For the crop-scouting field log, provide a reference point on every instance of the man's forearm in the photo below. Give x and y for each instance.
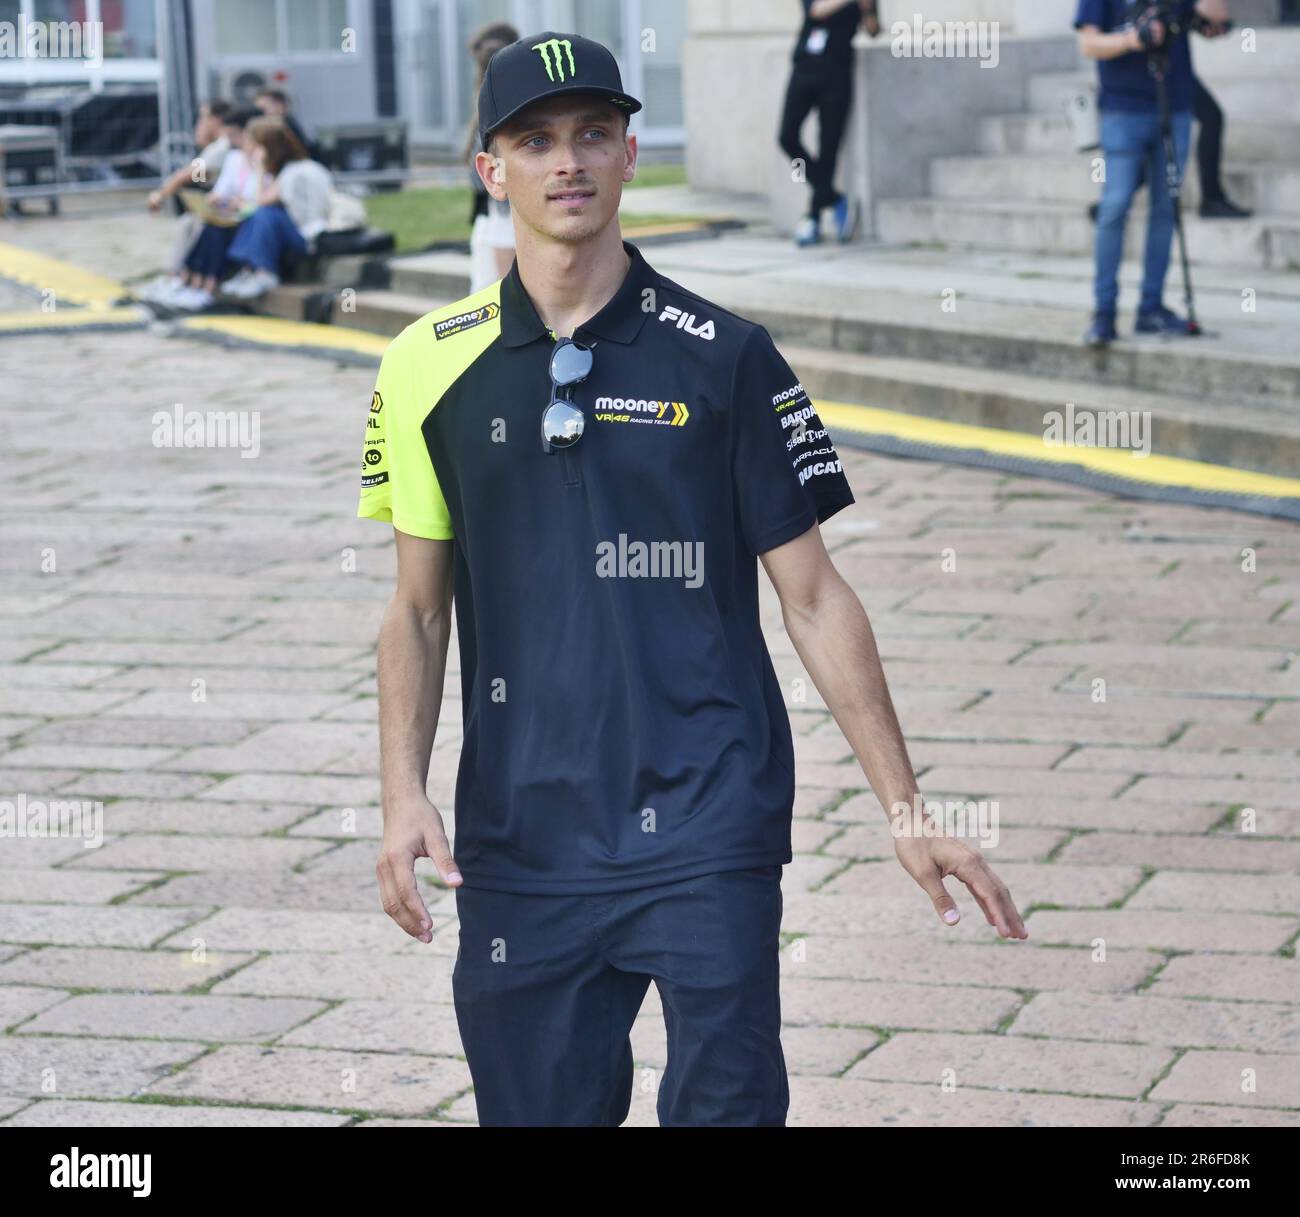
(835, 642)
(1096, 45)
(412, 664)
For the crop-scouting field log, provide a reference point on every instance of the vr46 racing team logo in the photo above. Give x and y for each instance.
(465, 321)
(639, 410)
(551, 49)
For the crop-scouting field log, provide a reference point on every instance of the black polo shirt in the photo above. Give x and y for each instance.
(623, 725)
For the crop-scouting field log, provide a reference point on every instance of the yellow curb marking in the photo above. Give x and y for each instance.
(69, 284)
(1113, 462)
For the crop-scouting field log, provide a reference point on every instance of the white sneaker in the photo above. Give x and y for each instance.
(159, 288)
(234, 286)
(172, 292)
(807, 232)
(258, 283)
(192, 299)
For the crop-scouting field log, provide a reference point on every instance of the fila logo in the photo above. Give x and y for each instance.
(552, 48)
(686, 321)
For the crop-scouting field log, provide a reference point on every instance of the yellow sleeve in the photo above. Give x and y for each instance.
(398, 482)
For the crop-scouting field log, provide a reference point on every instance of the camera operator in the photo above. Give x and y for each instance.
(1122, 35)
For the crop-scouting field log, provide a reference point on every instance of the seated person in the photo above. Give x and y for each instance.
(293, 210)
(274, 103)
(235, 191)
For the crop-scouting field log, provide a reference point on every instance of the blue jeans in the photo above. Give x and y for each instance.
(261, 240)
(546, 989)
(1130, 140)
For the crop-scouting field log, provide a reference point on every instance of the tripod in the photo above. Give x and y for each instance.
(1158, 65)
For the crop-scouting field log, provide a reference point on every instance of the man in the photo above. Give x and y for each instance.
(626, 782)
(822, 80)
(1122, 36)
(274, 103)
(210, 146)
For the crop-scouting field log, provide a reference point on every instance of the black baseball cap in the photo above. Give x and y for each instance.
(547, 65)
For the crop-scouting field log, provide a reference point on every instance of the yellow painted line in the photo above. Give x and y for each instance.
(68, 319)
(275, 331)
(1154, 470)
(659, 230)
(69, 284)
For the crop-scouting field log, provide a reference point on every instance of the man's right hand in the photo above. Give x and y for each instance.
(1147, 35)
(412, 829)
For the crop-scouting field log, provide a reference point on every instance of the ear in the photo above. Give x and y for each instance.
(629, 170)
(492, 173)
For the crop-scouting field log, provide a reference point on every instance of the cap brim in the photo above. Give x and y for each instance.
(624, 101)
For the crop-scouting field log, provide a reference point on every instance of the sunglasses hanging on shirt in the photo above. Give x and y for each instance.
(562, 421)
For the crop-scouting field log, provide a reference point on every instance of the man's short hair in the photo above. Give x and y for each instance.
(274, 94)
(218, 108)
(491, 148)
(241, 116)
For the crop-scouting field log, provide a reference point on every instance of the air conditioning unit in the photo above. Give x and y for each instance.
(238, 85)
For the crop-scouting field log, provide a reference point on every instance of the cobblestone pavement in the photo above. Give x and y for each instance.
(188, 636)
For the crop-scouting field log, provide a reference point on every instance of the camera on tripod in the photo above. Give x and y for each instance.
(1149, 15)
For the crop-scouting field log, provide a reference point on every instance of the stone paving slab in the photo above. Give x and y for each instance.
(380, 1082)
(107, 969)
(234, 901)
(69, 1114)
(173, 1016)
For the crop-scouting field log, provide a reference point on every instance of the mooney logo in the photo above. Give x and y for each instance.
(550, 49)
(670, 413)
(686, 321)
(465, 321)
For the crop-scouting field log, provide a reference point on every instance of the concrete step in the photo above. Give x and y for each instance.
(1258, 98)
(1007, 327)
(1272, 188)
(1245, 140)
(439, 274)
(1260, 439)
(1268, 241)
(388, 312)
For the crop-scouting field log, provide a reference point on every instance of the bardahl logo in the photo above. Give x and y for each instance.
(551, 50)
(376, 402)
(626, 410)
(465, 321)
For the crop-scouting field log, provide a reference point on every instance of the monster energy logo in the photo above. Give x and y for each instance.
(553, 48)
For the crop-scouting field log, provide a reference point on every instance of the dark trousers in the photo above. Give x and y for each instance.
(828, 89)
(546, 989)
(207, 255)
(1209, 144)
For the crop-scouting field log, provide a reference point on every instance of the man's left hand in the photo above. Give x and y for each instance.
(930, 860)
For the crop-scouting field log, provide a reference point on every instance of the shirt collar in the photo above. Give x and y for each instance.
(619, 321)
